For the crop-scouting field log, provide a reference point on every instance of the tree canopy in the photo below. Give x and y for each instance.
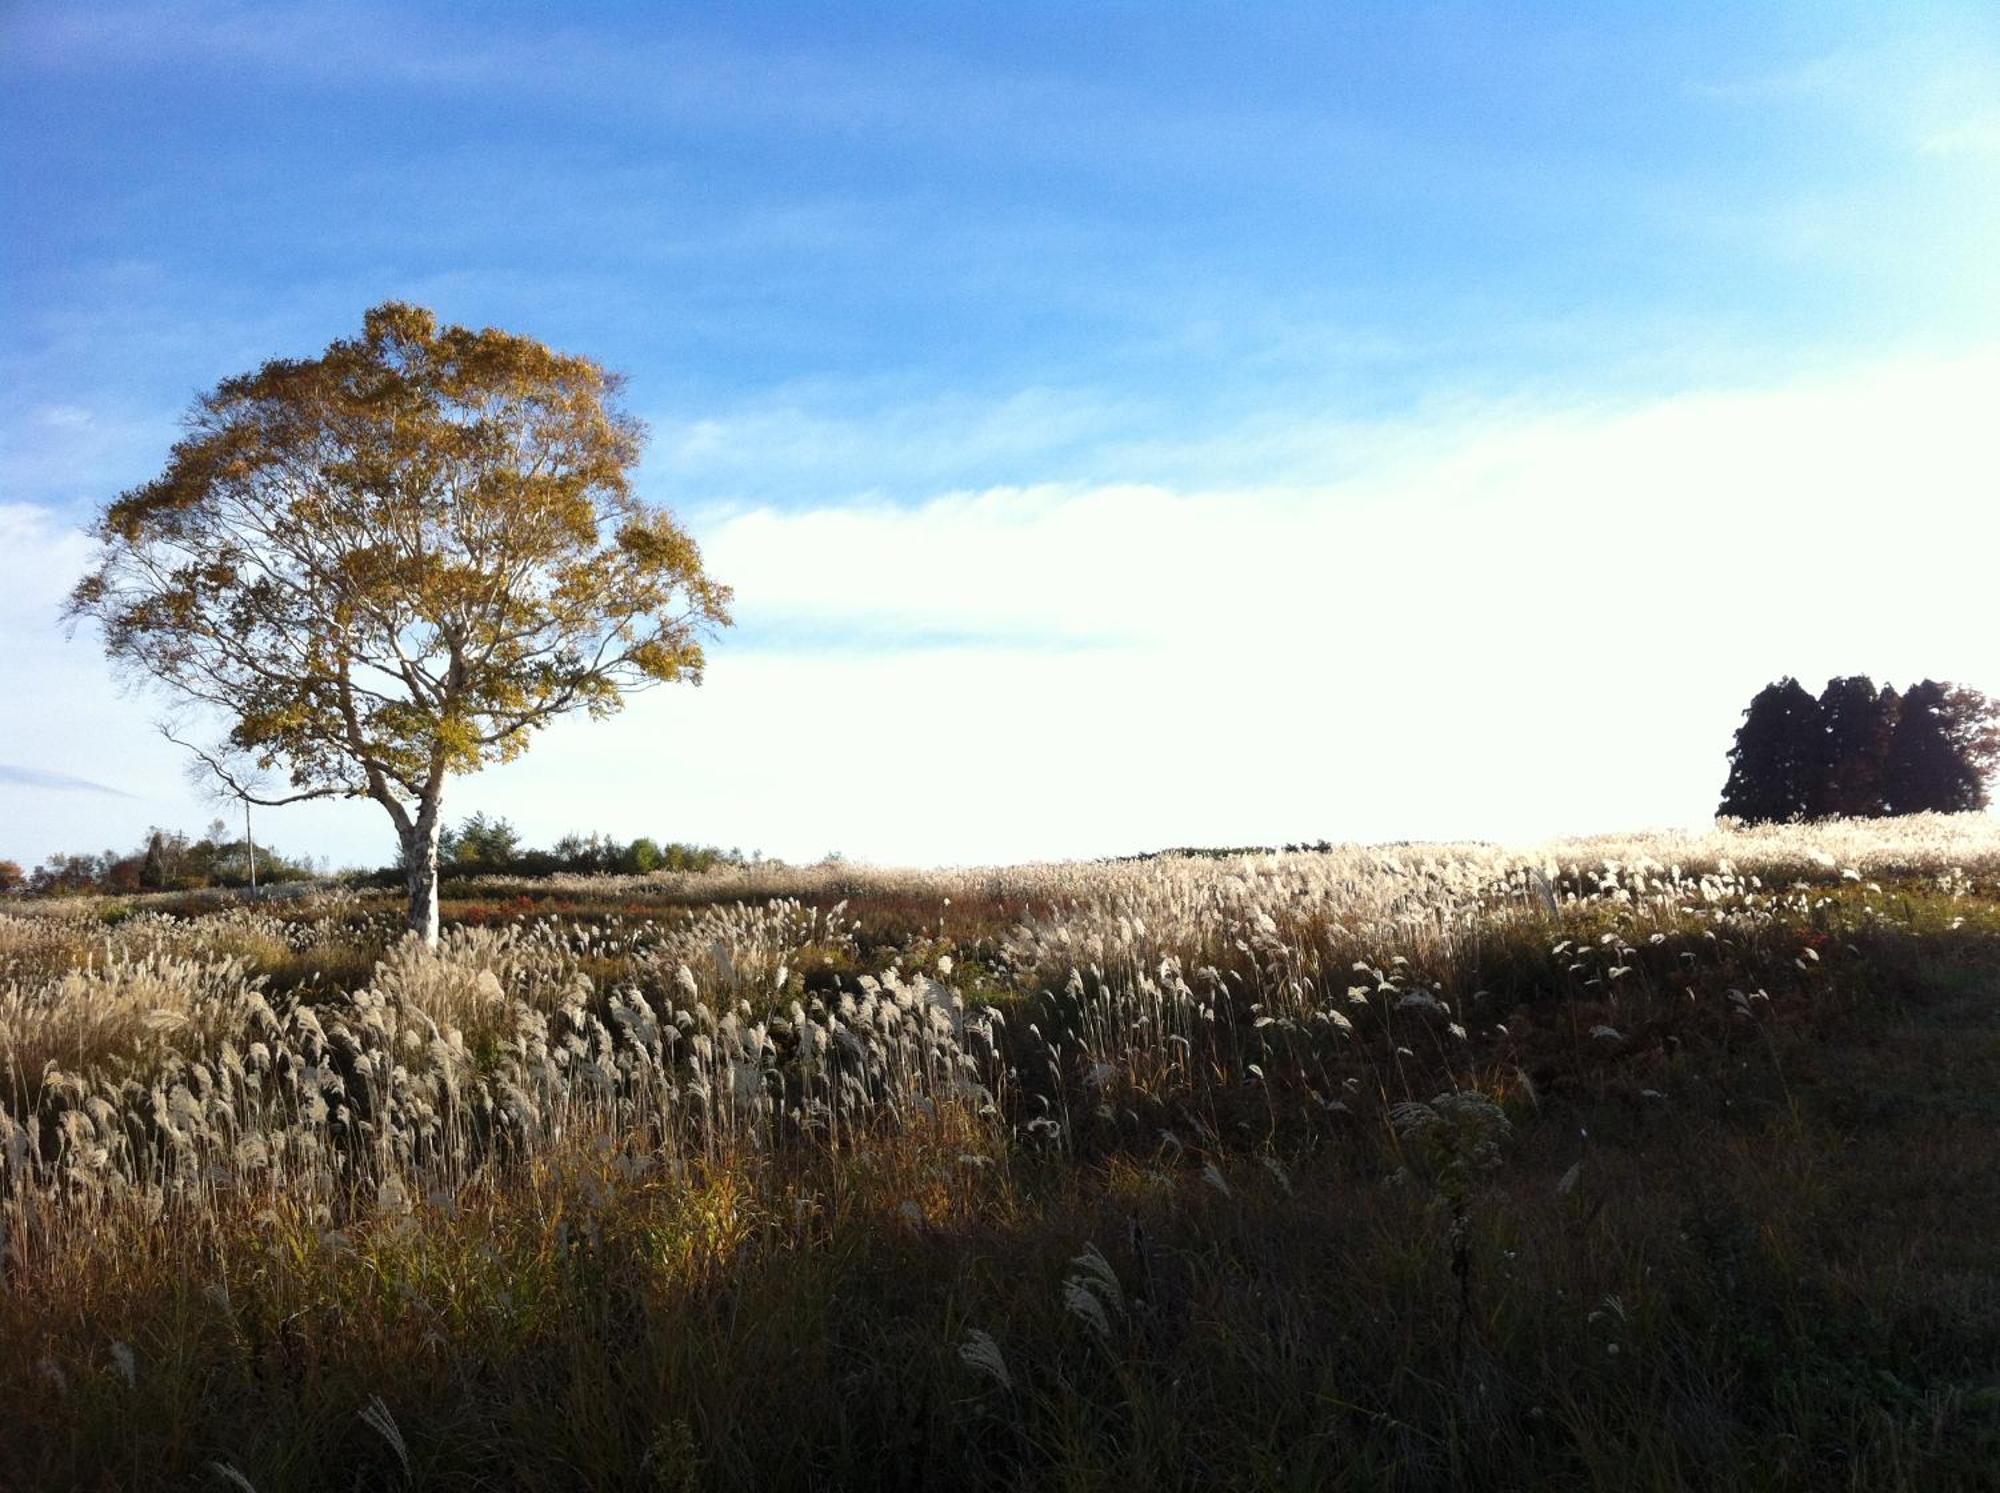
(395, 562)
(1933, 764)
(1777, 769)
(1858, 720)
(1859, 752)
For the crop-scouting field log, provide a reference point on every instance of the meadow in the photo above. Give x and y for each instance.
(1635, 1162)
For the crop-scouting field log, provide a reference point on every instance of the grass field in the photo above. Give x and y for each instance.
(1656, 1162)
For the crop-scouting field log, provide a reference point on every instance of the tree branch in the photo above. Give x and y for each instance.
(229, 779)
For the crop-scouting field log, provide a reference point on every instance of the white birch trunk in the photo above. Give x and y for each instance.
(420, 862)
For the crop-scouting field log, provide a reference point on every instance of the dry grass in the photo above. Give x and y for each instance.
(1442, 1167)
(123, 1017)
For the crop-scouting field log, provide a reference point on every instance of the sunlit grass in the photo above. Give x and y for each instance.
(1641, 1160)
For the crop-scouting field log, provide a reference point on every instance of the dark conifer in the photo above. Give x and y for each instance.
(1928, 770)
(1777, 768)
(153, 874)
(1858, 722)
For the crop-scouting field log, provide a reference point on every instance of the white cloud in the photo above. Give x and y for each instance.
(41, 558)
(61, 416)
(1669, 503)
(914, 446)
(1548, 623)
(1979, 135)
(1513, 624)
(57, 454)
(61, 714)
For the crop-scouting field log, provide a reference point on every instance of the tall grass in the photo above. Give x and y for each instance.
(1073, 1158)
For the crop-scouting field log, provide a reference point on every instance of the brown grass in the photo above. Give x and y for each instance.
(1744, 1241)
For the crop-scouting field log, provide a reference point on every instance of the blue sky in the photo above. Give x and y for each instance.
(1099, 289)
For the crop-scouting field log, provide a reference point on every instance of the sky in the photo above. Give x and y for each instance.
(1124, 425)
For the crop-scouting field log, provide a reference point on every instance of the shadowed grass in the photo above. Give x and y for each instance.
(1734, 1232)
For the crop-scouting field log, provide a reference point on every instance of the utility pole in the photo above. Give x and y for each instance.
(250, 844)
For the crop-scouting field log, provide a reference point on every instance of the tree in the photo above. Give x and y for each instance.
(153, 873)
(395, 562)
(1777, 768)
(1858, 721)
(591, 853)
(12, 879)
(486, 843)
(62, 874)
(1972, 721)
(1939, 756)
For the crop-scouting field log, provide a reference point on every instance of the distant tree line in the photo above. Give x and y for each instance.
(1859, 752)
(484, 846)
(1227, 852)
(479, 846)
(167, 861)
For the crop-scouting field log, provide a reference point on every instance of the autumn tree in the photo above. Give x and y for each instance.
(62, 874)
(1777, 767)
(1972, 721)
(393, 563)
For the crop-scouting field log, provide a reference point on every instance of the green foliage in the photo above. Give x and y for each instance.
(167, 861)
(485, 844)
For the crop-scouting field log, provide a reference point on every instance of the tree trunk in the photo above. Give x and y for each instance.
(420, 865)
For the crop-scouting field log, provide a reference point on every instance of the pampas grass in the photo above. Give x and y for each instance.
(891, 1103)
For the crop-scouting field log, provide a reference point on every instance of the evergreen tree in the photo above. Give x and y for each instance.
(487, 843)
(1777, 768)
(153, 872)
(1888, 710)
(1930, 767)
(1858, 722)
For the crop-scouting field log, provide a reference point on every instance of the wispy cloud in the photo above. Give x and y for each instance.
(924, 94)
(675, 69)
(1932, 89)
(860, 631)
(1975, 135)
(831, 445)
(34, 777)
(41, 556)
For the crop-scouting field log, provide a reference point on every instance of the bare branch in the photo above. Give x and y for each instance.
(236, 787)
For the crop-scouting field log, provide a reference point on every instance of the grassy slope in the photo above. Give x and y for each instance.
(1780, 1274)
